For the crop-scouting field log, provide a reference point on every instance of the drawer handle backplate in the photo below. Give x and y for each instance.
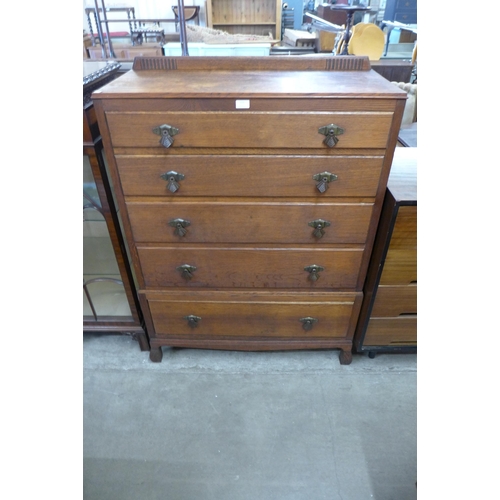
(166, 133)
(324, 178)
(186, 271)
(173, 179)
(314, 271)
(308, 323)
(331, 132)
(192, 320)
(180, 226)
(319, 225)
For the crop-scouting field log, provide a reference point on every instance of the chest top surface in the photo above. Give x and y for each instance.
(403, 176)
(254, 77)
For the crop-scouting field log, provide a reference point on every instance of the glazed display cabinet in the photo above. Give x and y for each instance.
(110, 303)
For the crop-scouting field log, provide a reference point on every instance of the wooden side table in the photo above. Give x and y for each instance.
(190, 12)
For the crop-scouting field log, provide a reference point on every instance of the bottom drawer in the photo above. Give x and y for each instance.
(251, 315)
(391, 331)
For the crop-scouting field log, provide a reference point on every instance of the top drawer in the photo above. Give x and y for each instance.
(250, 129)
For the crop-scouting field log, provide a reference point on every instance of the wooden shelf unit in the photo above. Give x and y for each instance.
(258, 17)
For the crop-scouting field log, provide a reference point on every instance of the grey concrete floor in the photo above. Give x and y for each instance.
(226, 425)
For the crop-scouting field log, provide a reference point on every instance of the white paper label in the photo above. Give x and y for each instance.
(242, 103)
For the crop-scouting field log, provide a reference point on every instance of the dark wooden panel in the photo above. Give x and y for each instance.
(393, 70)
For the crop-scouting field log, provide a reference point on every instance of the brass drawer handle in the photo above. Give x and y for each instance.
(308, 323)
(313, 271)
(180, 226)
(186, 271)
(324, 179)
(319, 225)
(173, 179)
(192, 320)
(331, 132)
(166, 133)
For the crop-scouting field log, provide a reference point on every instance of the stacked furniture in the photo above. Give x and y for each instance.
(388, 319)
(250, 192)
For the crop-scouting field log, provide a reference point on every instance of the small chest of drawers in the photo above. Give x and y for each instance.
(250, 191)
(388, 318)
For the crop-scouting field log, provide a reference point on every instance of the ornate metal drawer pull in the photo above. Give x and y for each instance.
(331, 132)
(180, 225)
(308, 323)
(173, 179)
(166, 133)
(318, 226)
(324, 179)
(313, 271)
(186, 271)
(192, 320)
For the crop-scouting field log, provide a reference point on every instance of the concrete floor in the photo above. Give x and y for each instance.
(224, 425)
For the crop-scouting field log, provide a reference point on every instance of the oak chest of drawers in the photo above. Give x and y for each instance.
(250, 190)
(388, 318)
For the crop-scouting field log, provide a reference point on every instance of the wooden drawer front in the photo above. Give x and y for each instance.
(400, 268)
(391, 331)
(404, 234)
(249, 129)
(250, 267)
(266, 318)
(393, 301)
(225, 222)
(233, 175)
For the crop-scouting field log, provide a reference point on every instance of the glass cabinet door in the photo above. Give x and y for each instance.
(104, 296)
(110, 300)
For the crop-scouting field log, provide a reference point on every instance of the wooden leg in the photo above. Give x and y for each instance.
(156, 354)
(345, 357)
(142, 339)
